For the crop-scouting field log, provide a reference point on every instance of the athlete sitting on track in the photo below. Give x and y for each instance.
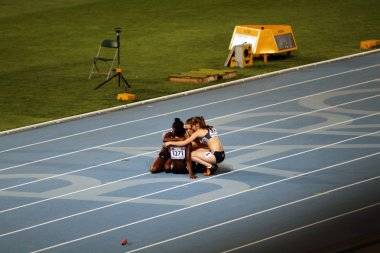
(206, 134)
(172, 158)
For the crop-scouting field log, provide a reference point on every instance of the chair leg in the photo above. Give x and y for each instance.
(92, 71)
(109, 72)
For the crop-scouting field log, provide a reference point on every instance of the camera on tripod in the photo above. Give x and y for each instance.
(118, 70)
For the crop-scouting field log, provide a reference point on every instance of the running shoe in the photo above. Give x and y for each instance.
(210, 171)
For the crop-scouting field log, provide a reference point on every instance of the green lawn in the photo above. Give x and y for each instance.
(47, 46)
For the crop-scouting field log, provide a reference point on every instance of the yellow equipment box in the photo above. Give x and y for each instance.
(265, 39)
(126, 96)
(369, 44)
(240, 56)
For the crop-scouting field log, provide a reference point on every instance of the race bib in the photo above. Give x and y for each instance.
(178, 152)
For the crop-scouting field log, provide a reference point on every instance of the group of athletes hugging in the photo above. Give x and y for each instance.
(189, 146)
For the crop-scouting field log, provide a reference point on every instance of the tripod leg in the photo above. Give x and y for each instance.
(118, 79)
(106, 81)
(125, 81)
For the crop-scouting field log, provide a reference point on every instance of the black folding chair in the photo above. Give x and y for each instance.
(105, 58)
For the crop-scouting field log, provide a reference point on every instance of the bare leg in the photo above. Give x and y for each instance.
(168, 165)
(157, 165)
(206, 158)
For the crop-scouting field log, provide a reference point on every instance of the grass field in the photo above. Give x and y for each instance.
(47, 46)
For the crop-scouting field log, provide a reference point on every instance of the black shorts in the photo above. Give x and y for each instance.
(178, 166)
(219, 156)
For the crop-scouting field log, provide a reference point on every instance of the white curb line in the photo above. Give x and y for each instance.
(185, 93)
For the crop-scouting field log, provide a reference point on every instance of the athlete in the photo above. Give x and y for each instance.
(161, 163)
(209, 157)
(189, 131)
(172, 158)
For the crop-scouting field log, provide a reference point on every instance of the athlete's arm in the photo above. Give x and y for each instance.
(184, 142)
(189, 164)
(166, 139)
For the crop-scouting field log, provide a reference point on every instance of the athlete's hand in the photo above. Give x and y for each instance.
(192, 176)
(167, 143)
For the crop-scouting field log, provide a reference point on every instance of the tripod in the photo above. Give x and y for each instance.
(118, 70)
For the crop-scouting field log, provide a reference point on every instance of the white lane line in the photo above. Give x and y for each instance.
(241, 129)
(74, 192)
(152, 133)
(194, 182)
(79, 170)
(266, 211)
(127, 178)
(109, 183)
(78, 151)
(189, 92)
(190, 108)
(207, 202)
(305, 226)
